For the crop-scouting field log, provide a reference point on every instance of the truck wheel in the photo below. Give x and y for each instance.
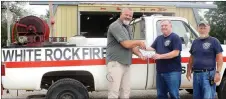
(67, 89)
(222, 89)
(190, 91)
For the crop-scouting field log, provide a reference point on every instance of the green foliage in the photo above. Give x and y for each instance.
(16, 8)
(46, 16)
(217, 20)
(201, 17)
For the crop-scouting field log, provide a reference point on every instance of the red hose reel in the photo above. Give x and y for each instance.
(33, 28)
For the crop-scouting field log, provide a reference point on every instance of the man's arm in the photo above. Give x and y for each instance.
(171, 54)
(176, 46)
(149, 49)
(123, 39)
(219, 60)
(189, 68)
(132, 43)
(136, 51)
(219, 57)
(190, 64)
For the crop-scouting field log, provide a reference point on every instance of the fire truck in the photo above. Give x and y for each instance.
(72, 69)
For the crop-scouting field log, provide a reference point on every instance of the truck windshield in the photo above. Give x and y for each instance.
(180, 28)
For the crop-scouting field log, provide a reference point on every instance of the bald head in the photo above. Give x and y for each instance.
(126, 15)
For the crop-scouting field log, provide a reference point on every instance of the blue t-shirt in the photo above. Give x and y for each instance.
(204, 52)
(164, 45)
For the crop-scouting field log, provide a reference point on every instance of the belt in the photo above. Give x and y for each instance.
(202, 70)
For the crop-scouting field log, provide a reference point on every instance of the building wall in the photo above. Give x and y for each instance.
(188, 14)
(66, 17)
(65, 21)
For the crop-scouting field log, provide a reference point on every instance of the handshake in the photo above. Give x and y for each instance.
(146, 52)
(142, 45)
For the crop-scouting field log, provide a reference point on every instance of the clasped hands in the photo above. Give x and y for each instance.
(144, 57)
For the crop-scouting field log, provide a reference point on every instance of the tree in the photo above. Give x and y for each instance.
(16, 8)
(46, 16)
(201, 17)
(217, 20)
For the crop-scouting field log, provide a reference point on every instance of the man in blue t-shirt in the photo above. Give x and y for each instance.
(168, 61)
(205, 51)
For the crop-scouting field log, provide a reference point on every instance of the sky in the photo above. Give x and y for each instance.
(37, 9)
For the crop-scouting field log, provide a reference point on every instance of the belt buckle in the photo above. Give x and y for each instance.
(206, 70)
(202, 70)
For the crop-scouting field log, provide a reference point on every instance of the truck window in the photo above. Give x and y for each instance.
(179, 27)
(138, 30)
(95, 24)
(191, 31)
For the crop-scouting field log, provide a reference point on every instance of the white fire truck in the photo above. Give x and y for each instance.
(76, 67)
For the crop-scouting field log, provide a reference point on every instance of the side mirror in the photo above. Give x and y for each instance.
(187, 39)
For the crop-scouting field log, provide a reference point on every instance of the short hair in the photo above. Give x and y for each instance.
(166, 20)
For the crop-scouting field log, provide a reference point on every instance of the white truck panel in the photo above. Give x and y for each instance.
(30, 78)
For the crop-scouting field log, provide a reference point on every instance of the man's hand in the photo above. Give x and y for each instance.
(189, 68)
(143, 57)
(217, 77)
(188, 76)
(150, 49)
(157, 56)
(142, 45)
(138, 53)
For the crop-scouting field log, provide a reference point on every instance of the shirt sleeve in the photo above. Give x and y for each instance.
(191, 49)
(217, 46)
(118, 33)
(177, 43)
(154, 43)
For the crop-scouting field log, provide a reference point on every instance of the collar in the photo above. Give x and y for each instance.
(204, 39)
(120, 21)
(168, 35)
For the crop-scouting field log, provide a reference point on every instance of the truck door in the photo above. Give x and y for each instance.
(138, 67)
(181, 28)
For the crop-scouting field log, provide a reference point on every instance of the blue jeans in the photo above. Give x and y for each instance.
(201, 85)
(168, 82)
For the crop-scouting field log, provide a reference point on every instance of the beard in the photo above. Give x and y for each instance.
(203, 36)
(126, 22)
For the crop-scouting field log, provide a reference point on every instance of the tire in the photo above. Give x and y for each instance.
(190, 91)
(67, 89)
(222, 89)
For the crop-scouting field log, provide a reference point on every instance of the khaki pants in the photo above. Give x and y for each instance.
(119, 80)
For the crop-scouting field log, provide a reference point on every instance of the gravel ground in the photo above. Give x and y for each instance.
(136, 94)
